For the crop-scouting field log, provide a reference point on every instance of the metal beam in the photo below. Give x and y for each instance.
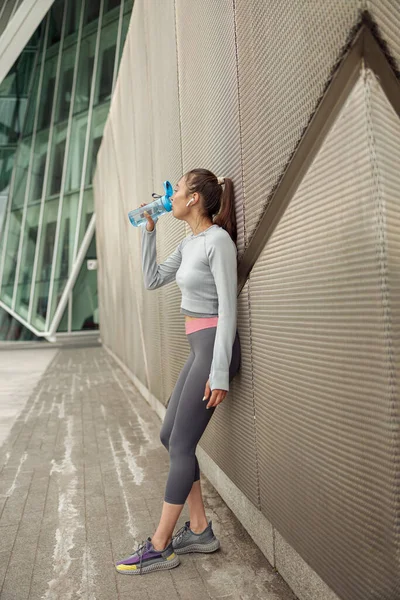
(19, 30)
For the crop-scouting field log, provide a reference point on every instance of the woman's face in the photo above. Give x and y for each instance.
(179, 199)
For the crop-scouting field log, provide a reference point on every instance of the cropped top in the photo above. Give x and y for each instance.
(205, 269)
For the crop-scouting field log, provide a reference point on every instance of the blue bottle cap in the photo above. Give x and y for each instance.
(168, 193)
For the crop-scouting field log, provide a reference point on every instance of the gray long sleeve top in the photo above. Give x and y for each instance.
(205, 269)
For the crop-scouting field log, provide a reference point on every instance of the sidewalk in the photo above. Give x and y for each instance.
(82, 478)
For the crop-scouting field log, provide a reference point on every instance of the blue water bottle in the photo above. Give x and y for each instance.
(159, 206)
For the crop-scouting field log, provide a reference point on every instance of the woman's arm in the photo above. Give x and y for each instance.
(155, 275)
(222, 255)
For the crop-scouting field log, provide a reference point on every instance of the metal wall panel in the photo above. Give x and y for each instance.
(209, 93)
(230, 437)
(308, 429)
(167, 164)
(286, 52)
(387, 16)
(211, 139)
(325, 419)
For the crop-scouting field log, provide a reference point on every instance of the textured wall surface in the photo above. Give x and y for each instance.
(309, 429)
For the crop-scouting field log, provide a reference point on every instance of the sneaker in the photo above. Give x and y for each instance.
(146, 559)
(186, 540)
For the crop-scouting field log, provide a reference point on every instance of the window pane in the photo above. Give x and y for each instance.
(73, 16)
(21, 173)
(57, 159)
(125, 25)
(63, 326)
(106, 62)
(84, 296)
(99, 118)
(27, 258)
(85, 74)
(39, 166)
(92, 10)
(42, 282)
(110, 4)
(11, 257)
(57, 167)
(47, 93)
(65, 248)
(87, 211)
(56, 19)
(32, 104)
(65, 84)
(76, 153)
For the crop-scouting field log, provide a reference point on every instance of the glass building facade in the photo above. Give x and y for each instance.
(47, 231)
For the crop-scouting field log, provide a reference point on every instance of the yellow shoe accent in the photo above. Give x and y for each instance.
(171, 556)
(126, 568)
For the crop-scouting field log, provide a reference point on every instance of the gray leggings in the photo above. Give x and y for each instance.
(187, 417)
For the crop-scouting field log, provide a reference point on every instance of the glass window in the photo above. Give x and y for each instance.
(39, 166)
(64, 96)
(7, 158)
(99, 118)
(57, 167)
(73, 16)
(63, 326)
(27, 258)
(106, 62)
(45, 259)
(87, 211)
(76, 153)
(85, 74)
(65, 249)
(21, 173)
(110, 4)
(84, 295)
(10, 264)
(106, 73)
(125, 26)
(64, 100)
(47, 93)
(92, 10)
(56, 20)
(32, 104)
(57, 159)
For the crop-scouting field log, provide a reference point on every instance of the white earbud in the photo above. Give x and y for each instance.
(191, 200)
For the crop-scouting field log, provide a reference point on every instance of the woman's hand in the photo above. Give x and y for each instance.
(216, 396)
(150, 223)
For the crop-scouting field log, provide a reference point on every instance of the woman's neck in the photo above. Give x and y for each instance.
(199, 227)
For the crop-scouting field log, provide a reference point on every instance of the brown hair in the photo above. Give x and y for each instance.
(217, 199)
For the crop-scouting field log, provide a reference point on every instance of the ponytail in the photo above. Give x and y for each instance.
(226, 217)
(217, 198)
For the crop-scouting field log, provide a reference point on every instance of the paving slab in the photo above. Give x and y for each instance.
(20, 372)
(82, 480)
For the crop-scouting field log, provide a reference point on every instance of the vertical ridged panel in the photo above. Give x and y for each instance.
(209, 93)
(140, 106)
(385, 133)
(208, 89)
(286, 51)
(230, 437)
(167, 164)
(386, 13)
(326, 428)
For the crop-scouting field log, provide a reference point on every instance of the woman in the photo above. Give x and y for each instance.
(205, 268)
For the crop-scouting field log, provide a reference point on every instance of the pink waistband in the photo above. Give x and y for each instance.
(200, 323)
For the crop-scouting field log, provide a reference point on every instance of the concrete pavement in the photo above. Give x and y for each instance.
(82, 479)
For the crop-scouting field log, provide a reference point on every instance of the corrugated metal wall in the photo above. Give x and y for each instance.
(309, 430)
